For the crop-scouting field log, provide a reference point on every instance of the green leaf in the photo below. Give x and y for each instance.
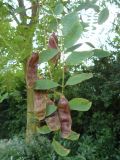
(73, 136)
(101, 53)
(73, 47)
(73, 35)
(46, 55)
(50, 109)
(80, 104)
(68, 22)
(58, 9)
(79, 78)
(72, 29)
(78, 57)
(43, 130)
(60, 149)
(45, 84)
(103, 16)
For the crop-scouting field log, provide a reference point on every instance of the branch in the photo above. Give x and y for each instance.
(23, 14)
(35, 7)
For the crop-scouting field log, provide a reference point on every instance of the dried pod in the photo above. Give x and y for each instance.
(40, 99)
(64, 116)
(53, 43)
(53, 121)
(31, 70)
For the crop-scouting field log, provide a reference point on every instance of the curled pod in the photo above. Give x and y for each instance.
(40, 99)
(53, 43)
(64, 116)
(53, 121)
(31, 70)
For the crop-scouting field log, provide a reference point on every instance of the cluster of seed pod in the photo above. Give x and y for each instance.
(61, 118)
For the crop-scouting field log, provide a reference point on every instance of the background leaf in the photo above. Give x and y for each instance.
(80, 104)
(100, 53)
(59, 148)
(45, 84)
(78, 57)
(58, 9)
(104, 14)
(79, 78)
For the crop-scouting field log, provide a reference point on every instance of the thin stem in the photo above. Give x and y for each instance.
(50, 73)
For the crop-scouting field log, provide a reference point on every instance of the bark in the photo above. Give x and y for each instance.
(31, 122)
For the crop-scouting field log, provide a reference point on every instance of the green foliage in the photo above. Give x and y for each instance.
(17, 149)
(13, 109)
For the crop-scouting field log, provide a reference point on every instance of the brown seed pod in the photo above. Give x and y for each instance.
(53, 121)
(53, 43)
(31, 70)
(40, 99)
(64, 116)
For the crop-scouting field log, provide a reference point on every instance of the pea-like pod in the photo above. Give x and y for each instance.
(40, 100)
(53, 43)
(64, 116)
(31, 70)
(53, 121)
